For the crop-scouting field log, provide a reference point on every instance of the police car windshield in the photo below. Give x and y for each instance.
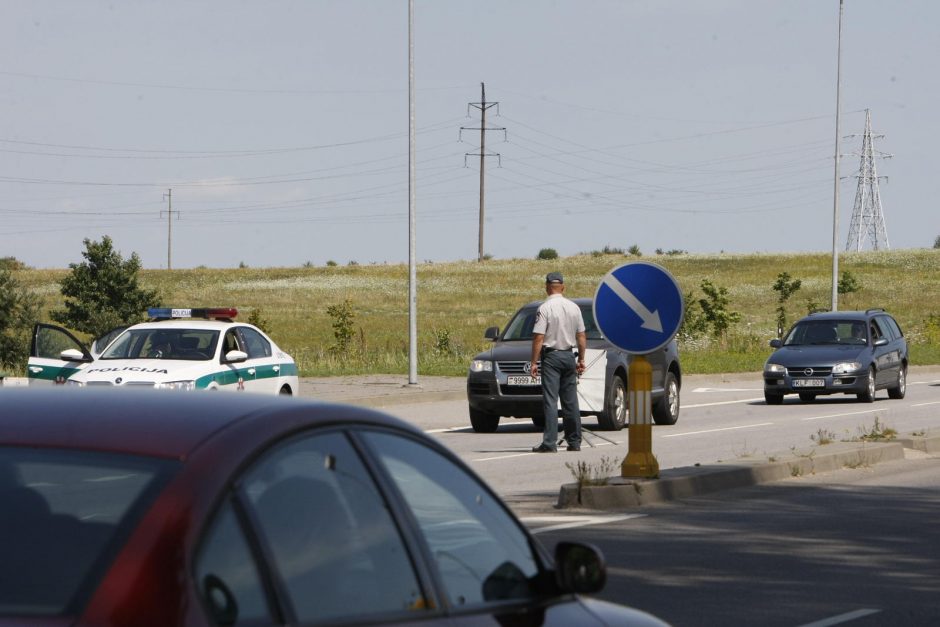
(178, 344)
(520, 327)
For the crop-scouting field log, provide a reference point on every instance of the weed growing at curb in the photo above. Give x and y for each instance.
(592, 474)
(877, 433)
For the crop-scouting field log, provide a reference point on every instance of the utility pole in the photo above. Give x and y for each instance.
(483, 106)
(835, 179)
(169, 227)
(868, 218)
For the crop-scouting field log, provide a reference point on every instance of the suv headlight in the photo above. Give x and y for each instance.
(846, 367)
(74, 384)
(176, 385)
(481, 365)
(774, 368)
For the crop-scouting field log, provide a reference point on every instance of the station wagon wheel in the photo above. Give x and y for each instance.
(666, 411)
(900, 389)
(483, 422)
(773, 399)
(615, 406)
(868, 396)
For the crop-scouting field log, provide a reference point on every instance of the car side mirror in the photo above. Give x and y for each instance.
(73, 354)
(579, 568)
(491, 333)
(776, 343)
(881, 341)
(233, 357)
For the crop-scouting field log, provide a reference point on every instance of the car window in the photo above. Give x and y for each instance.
(889, 326)
(227, 575)
(165, 343)
(50, 341)
(481, 553)
(63, 516)
(876, 331)
(333, 541)
(230, 342)
(813, 332)
(257, 346)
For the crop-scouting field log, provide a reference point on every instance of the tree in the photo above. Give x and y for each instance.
(936, 242)
(102, 292)
(715, 308)
(547, 253)
(785, 287)
(19, 310)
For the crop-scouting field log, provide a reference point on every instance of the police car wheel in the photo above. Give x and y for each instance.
(483, 422)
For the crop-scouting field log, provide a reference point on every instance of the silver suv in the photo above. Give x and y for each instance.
(499, 382)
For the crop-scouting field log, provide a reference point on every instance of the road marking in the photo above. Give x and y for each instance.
(510, 456)
(448, 430)
(678, 435)
(841, 618)
(704, 390)
(572, 522)
(740, 400)
(925, 404)
(850, 413)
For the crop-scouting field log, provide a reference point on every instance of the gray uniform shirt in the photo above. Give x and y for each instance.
(559, 320)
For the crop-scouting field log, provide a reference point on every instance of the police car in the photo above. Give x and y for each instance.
(178, 349)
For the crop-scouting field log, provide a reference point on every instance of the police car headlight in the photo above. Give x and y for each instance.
(74, 384)
(774, 368)
(846, 367)
(177, 385)
(481, 365)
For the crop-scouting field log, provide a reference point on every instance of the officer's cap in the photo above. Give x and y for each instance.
(554, 277)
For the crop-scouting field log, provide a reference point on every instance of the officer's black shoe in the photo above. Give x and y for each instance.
(574, 448)
(541, 448)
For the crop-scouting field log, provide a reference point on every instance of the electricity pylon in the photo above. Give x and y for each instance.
(868, 218)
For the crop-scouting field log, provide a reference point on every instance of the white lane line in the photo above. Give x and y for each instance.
(448, 430)
(740, 400)
(571, 522)
(510, 456)
(704, 390)
(850, 413)
(925, 404)
(679, 435)
(841, 618)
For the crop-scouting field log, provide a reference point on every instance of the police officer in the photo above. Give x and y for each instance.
(559, 328)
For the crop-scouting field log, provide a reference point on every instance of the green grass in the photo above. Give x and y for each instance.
(458, 300)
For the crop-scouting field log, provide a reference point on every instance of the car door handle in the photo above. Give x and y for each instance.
(251, 371)
(35, 369)
(276, 368)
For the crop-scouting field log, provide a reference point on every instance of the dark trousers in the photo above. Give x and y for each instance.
(560, 380)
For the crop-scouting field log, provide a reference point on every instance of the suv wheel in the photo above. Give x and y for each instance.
(615, 407)
(666, 411)
(900, 389)
(868, 396)
(483, 422)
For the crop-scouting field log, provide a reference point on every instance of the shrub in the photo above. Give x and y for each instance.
(547, 253)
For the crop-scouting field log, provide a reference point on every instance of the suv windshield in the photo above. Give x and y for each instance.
(815, 332)
(185, 344)
(520, 327)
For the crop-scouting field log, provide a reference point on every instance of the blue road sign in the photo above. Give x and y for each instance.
(638, 307)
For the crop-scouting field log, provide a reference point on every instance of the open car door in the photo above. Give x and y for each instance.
(54, 355)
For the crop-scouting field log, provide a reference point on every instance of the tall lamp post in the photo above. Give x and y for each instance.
(412, 273)
(835, 183)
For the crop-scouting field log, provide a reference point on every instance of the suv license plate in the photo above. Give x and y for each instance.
(524, 380)
(809, 383)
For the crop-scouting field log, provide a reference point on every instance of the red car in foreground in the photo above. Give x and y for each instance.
(163, 508)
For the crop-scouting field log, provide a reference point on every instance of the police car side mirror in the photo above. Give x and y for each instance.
(579, 568)
(73, 354)
(235, 356)
(491, 333)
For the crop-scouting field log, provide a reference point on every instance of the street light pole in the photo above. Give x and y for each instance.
(412, 272)
(835, 183)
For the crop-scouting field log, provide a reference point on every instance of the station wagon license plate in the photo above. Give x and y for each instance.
(809, 383)
(514, 380)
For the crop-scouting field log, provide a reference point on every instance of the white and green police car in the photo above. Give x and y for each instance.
(178, 349)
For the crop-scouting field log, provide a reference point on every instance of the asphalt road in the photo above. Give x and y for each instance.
(722, 418)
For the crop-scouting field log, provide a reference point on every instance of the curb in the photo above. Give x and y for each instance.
(679, 483)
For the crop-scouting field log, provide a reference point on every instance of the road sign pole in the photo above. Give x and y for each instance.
(640, 461)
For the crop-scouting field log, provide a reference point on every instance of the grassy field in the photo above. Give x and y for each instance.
(457, 301)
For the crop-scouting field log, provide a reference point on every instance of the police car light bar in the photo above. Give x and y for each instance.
(212, 313)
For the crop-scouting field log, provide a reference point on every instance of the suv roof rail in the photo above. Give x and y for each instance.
(873, 310)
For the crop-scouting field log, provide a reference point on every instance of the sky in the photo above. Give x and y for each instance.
(278, 132)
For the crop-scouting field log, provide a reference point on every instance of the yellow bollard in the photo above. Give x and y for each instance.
(640, 461)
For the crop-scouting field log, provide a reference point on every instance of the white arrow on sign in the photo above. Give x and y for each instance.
(650, 319)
